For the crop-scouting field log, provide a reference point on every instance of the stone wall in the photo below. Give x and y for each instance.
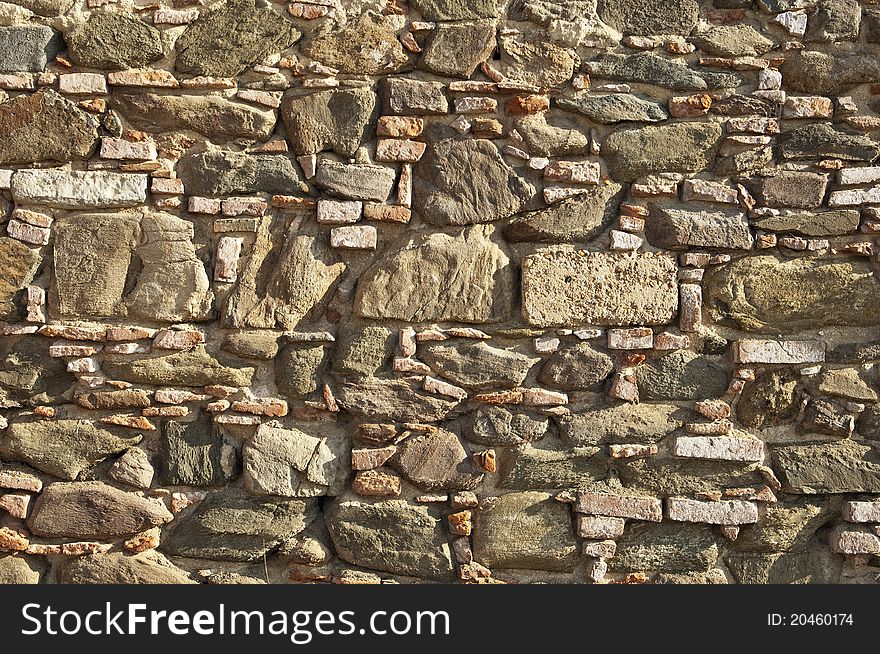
(365, 291)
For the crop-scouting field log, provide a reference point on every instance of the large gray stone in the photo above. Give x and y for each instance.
(527, 531)
(284, 280)
(623, 423)
(355, 181)
(773, 398)
(574, 220)
(838, 467)
(394, 399)
(650, 17)
(436, 460)
(812, 223)
(459, 276)
(463, 182)
(647, 68)
(215, 117)
(498, 425)
(27, 48)
(614, 108)
(364, 350)
(680, 147)
(18, 263)
(74, 189)
(149, 567)
(683, 375)
(93, 509)
(308, 461)
(668, 476)
(788, 525)
(834, 21)
(456, 9)
(570, 288)
(665, 547)
(548, 466)
(733, 41)
(457, 49)
(329, 120)
(113, 41)
(197, 454)
(576, 367)
(770, 294)
(366, 46)
(191, 368)
(228, 39)
(414, 97)
(823, 141)
(679, 228)
(44, 127)
(62, 448)
(231, 526)
(226, 172)
(477, 365)
(552, 140)
(298, 369)
(19, 569)
(816, 566)
(28, 375)
(810, 71)
(417, 546)
(529, 57)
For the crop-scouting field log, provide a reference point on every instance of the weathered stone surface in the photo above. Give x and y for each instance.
(474, 364)
(552, 140)
(149, 567)
(551, 467)
(462, 182)
(456, 9)
(393, 400)
(575, 220)
(172, 284)
(366, 46)
(822, 141)
(217, 118)
(113, 41)
(576, 367)
(795, 190)
(848, 384)
(665, 548)
(27, 48)
(664, 476)
(832, 21)
(436, 460)
(525, 530)
(810, 71)
(816, 566)
(355, 181)
(197, 454)
(44, 127)
(456, 50)
(728, 512)
(283, 282)
(647, 68)
(495, 425)
(624, 423)
(649, 17)
(298, 368)
(297, 463)
(191, 368)
(786, 526)
(451, 276)
(682, 147)
(767, 293)
(64, 189)
(772, 399)
(414, 97)
(530, 58)
(336, 120)
(679, 228)
(28, 375)
(418, 546)
(230, 526)
(683, 375)
(580, 287)
(232, 37)
(261, 345)
(614, 108)
(19, 569)
(93, 509)
(225, 172)
(18, 263)
(818, 223)
(133, 468)
(838, 467)
(364, 351)
(733, 41)
(62, 448)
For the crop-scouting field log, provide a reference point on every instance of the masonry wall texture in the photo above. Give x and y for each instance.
(368, 291)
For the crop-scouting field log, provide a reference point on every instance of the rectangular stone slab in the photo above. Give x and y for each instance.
(599, 288)
(76, 189)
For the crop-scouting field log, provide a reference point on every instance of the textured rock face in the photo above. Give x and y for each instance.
(227, 40)
(477, 291)
(113, 41)
(44, 127)
(419, 548)
(766, 293)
